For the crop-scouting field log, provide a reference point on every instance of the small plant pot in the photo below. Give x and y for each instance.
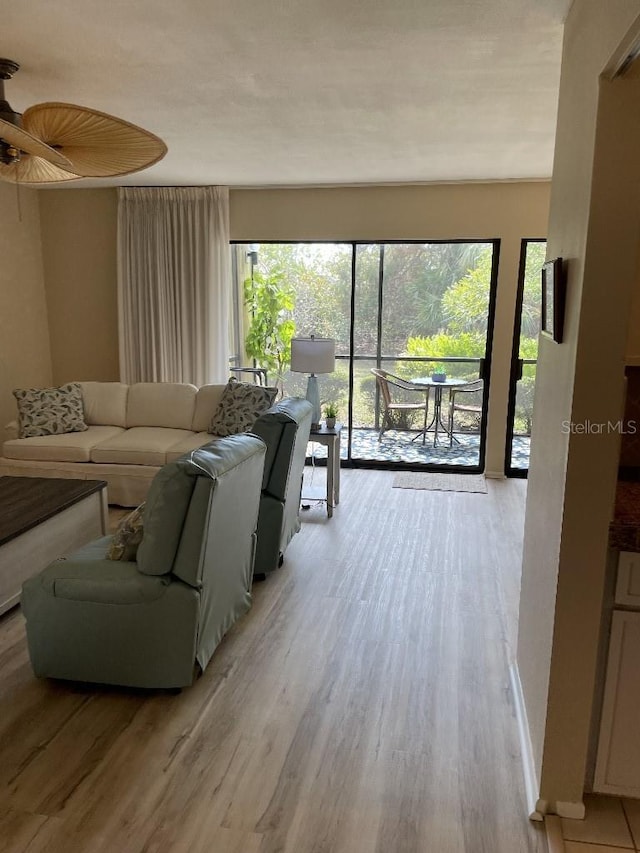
(331, 423)
(438, 377)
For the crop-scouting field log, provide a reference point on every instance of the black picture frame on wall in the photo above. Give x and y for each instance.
(553, 299)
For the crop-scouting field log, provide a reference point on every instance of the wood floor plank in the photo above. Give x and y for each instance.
(20, 827)
(74, 750)
(362, 706)
(54, 836)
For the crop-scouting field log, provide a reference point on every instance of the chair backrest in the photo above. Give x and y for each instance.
(218, 539)
(285, 429)
(183, 496)
(382, 378)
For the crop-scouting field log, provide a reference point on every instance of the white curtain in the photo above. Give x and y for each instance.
(174, 283)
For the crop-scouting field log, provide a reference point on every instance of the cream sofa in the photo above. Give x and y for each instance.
(133, 431)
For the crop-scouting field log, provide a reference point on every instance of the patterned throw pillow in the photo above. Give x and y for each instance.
(125, 541)
(50, 411)
(240, 406)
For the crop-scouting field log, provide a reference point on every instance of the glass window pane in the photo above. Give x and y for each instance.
(366, 300)
(532, 299)
(319, 275)
(535, 253)
(299, 289)
(436, 299)
(364, 394)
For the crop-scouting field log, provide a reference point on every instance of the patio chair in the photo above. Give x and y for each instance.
(258, 374)
(385, 380)
(465, 403)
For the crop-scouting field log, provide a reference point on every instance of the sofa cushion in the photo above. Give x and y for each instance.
(189, 443)
(128, 536)
(207, 400)
(139, 446)
(70, 447)
(105, 403)
(50, 411)
(161, 404)
(241, 404)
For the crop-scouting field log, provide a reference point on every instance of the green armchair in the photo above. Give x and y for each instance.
(152, 622)
(285, 430)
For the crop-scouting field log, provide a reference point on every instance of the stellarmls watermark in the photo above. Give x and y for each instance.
(599, 427)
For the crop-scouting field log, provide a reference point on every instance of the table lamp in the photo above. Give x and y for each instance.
(313, 355)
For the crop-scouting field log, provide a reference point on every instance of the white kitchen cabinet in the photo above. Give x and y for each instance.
(628, 583)
(617, 768)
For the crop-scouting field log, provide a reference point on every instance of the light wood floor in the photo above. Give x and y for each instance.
(362, 706)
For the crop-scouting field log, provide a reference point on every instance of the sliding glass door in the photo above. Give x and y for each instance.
(422, 308)
(407, 309)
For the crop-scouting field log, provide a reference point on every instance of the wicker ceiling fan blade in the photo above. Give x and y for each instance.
(97, 145)
(34, 170)
(22, 140)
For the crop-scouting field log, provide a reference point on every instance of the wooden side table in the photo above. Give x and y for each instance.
(330, 438)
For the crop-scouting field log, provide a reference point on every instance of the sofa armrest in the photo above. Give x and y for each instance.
(11, 431)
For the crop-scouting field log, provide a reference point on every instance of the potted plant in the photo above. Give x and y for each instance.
(439, 373)
(270, 301)
(330, 413)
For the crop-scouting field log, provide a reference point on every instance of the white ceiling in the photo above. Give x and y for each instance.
(288, 92)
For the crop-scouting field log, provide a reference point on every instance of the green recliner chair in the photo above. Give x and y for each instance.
(151, 622)
(285, 430)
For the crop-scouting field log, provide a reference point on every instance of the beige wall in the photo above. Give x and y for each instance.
(594, 225)
(25, 359)
(79, 256)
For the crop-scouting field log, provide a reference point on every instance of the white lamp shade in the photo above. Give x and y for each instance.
(313, 355)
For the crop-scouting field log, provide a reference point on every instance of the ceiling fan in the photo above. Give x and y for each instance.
(55, 142)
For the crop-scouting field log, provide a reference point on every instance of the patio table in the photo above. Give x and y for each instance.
(436, 421)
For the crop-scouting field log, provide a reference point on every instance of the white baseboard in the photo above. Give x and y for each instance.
(536, 807)
(495, 475)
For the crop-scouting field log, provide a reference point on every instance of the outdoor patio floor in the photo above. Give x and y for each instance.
(397, 446)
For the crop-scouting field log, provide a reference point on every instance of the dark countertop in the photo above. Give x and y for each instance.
(624, 530)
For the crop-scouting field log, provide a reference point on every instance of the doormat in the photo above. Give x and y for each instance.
(440, 482)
